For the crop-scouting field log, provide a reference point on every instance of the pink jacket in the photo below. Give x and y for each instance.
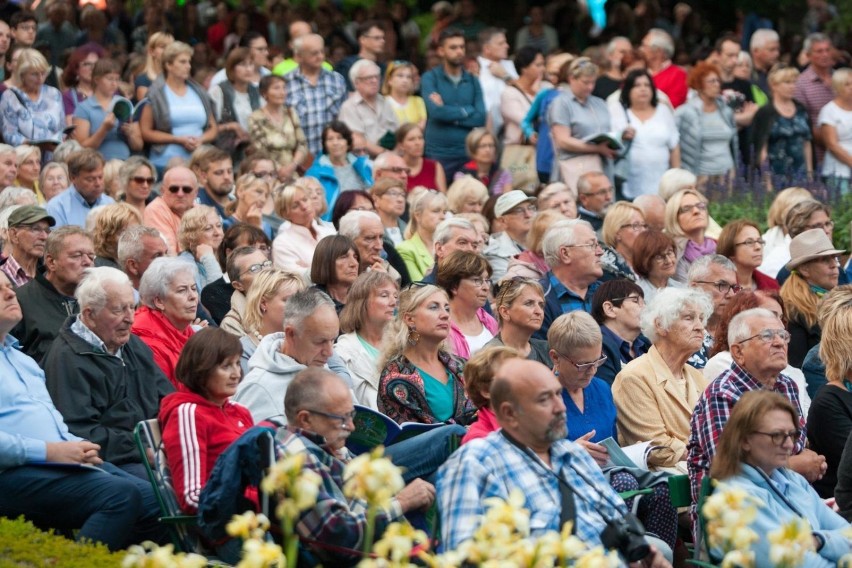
(486, 422)
(457, 340)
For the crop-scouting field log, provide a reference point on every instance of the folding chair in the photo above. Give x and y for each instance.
(702, 551)
(149, 442)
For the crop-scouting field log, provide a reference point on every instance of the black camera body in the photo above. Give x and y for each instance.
(627, 536)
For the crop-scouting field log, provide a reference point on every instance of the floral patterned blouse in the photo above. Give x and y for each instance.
(25, 119)
(282, 142)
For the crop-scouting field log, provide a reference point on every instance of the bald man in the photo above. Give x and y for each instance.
(177, 196)
(530, 454)
(654, 209)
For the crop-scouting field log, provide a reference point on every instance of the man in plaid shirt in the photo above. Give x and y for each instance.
(314, 93)
(758, 344)
(319, 410)
(531, 454)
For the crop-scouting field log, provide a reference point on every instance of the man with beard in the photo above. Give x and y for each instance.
(560, 479)
(215, 171)
(454, 104)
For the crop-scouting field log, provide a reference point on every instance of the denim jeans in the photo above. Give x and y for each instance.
(422, 455)
(110, 506)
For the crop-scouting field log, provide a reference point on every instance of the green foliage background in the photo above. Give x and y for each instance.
(22, 545)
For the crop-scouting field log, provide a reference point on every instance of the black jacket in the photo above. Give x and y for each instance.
(44, 311)
(102, 397)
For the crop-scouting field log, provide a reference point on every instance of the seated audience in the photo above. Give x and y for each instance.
(299, 234)
(479, 374)
(337, 168)
(716, 276)
(242, 266)
(169, 298)
(776, 247)
(136, 180)
(466, 277)
(655, 394)
(276, 130)
(515, 210)
(466, 195)
(29, 165)
(484, 166)
(200, 234)
(334, 268)
(427, 209)
(617, 308)
(365, 230)
(101, 377)
(530, 263)
(455, 233)
(389, 199)
(420, 381)
(422, 172)
(28, 229)
(557, 196)
(623, 223)
(47, 301)
(801, 216)
(352, 200)
(371, 306)
(741, 242)
(519, 308)
(53, 180)
(72, 206)
(201, 421)
(39, 455)
(594, 196)
(110, 222)
(686, 223)
(752, 457)
(138, 246)
(177, 196)
(251, 194)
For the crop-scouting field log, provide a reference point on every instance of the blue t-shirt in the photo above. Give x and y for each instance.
(598, 415)
(188, 118)
(113, 145)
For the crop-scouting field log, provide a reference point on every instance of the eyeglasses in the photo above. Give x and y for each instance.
(255, 268)
(662, 257)
(376, 37)
(638, 300)
(34, 228)
(591, 246)
(824, 226)
(263, 174)
(767, 335)
(635, 226)
(394, 194)
(750, 243)
(584, 368)
(369, 78)
(701, 206)
(531, 209)
(77, 256)
(187, 189)
(602, 191)
(829, 260)
(359, 151)
(415, 284)
(722, 286)
(397, 170)
(140, 180)
(478, 282)
(778, 438)
(345, 419)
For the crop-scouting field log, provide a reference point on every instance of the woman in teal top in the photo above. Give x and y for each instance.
(420, 380)
(428, 208)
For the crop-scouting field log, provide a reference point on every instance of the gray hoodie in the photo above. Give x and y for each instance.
(270, 372)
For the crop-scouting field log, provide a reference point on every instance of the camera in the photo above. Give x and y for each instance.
(627, 536)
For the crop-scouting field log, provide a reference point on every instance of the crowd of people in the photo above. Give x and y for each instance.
(253, 221)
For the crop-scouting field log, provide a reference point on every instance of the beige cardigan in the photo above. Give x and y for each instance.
(651, 406)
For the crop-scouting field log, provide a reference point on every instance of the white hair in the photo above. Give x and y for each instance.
(701, 267)
(740, 326)
(761, 37)
(6, 149)
(668, 305)
(814, 38)
(358, 66)
(610, 47)
(560, 234)
(131, 245)
(350, 224)
(159, 276)
(661, 39)
(381, 161)
(91, 292)
(444, 230)
(673, 180)
(299, 42)
(14, 195)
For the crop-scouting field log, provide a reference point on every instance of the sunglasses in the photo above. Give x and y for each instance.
(140, 180)
(187, 189)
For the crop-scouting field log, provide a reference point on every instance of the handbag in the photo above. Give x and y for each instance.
(571, 169)
(519, 161)
(621, 167)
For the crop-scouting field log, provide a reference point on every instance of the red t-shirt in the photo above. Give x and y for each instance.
(672, 81)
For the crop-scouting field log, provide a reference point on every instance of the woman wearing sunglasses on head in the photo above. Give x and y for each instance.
(519, 307)
(576, 350)
(686, 222)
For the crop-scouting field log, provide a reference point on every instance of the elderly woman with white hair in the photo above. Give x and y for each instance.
(367, 113)
(8, 165)
(656, 393)
(169, 297)
(299, 234)
(53, 180)
(558, 196)
(466, 195)
(96, 362)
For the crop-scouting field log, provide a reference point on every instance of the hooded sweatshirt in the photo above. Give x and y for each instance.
(270, 373)
(195, 432)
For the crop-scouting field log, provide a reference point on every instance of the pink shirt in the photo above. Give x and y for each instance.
(457, 340)
(159, 216)
(486, 422)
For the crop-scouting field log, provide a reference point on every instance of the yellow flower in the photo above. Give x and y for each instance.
(248, 525)
(790, 542)
(738, 559)
(261, 554)
(398, 541)
(598, 558)
(149, 555)
(373, 479)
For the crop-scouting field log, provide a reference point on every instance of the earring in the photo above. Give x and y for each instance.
(413, 337)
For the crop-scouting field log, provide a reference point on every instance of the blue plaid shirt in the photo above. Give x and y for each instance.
(316, 105)
(560, 300)
(493, 466)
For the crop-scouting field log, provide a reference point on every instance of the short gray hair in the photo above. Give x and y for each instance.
(6, 149)
(740, 329)
(14, 195)
(610, 47)
(815, 38)
(159, 276)
(761, 37)
(573, 330)
(559, 235)
(358, 66)
(381, 161)
(64, 150)
(91, 291)
(700, 268)
(302, 304)
(299, 42)
(350, 224)
(667, 306)
(662, 39)
(444, 230)
(673, 180)
(130, 243)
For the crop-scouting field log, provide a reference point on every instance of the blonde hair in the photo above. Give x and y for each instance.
(674, 180)
(673, 209)
(395, 338)
(172, 52)
(265, 285)
(419, 200)
(542, 221)
(616, 216)
(30, 59)
(840, 77)
(155, 40)
(464, 189)
(783, 202)
(111, 220)
(192, 224)
(354, 313)
(835, 319)
(284, 196)
(781, 73)
(510, 290)
(799, 299)
(112, 171)
(245, 181)
(474, 139)
(24, 151)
